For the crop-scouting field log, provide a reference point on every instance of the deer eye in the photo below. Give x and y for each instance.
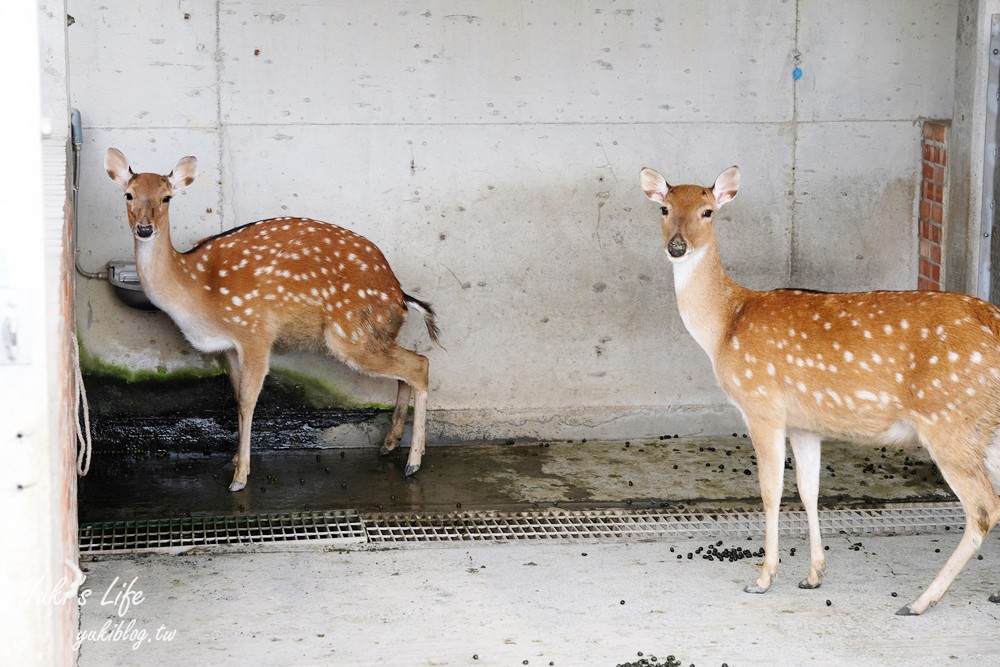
(166, 200)
(664, 211)
(128, 196)
(707, 213)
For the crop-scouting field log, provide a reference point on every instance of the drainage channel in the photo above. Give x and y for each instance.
(347, 527)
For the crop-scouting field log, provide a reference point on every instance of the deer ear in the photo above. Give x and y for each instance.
(116, 164)
(654, 185)
(727, 185)
(183, 173)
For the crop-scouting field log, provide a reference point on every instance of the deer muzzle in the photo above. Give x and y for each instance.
(677, 246)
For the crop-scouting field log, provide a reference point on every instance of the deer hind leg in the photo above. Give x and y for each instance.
(253, 365)
(233, 362)
(380, 357)
(992, 460)
(968, 478)
(395, 434)
(769, 445)
(806, 449)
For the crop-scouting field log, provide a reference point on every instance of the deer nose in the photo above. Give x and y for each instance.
(676, 247)
(143, 231)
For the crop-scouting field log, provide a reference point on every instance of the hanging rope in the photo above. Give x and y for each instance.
(83, 438)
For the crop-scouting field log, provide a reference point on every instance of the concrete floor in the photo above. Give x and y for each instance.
(594, 602)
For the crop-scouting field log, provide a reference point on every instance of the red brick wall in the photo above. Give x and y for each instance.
(932, 203)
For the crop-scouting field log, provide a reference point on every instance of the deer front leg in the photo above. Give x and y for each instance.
(806, 449)
(253, 368)
(769, 445)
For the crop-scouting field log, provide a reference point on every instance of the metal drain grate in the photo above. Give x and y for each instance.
(334, 527)
(558, 524)
(350, 527)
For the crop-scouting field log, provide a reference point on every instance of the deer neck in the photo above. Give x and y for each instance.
(160, 270)
(707, 298)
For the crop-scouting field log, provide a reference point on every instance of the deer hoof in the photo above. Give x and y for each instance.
(754, 588)
(804, 584)
(385, 451)
(908, 610)
(411, 470)
(995, 598)
(237, 486)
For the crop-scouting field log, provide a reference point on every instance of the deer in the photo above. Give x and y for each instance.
(879, 366)
(295, 282)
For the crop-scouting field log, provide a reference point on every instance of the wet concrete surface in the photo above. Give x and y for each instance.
(662, 472)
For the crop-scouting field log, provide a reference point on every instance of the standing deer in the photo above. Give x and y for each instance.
(871, 366)
(293, 281)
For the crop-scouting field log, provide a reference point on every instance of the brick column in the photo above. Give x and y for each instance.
(932, 202)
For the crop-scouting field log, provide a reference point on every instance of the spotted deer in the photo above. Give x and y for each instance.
(871, 366)
(297, 282)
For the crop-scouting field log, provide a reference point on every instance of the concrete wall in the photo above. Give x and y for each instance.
(492, 150)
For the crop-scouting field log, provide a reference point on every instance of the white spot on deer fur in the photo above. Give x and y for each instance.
(818, 395)
(735, 342)
(848, 357)
(770, 367)
(976, 358)
(346, 287)
(791, 333)
(887, 329)
(899, 377)
(827, 325)
(248, 311)
(866, 395)
(748, 373)
(954, 377)
(953, 356)
(736, 381)
(868, 334)
(836, 345)
(789, 358)
(876, 358)
(361, 293)
(936, 382)
(903, 324)
(801, 386)
(237, 301)
(223, 290)
(933, 360)
(835, 396)
(920, 393)
(864, 365)
(761, 390)
(207, 287)
(383, 296)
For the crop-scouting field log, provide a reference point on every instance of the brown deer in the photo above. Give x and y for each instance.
(296, 282)
(871, 366)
